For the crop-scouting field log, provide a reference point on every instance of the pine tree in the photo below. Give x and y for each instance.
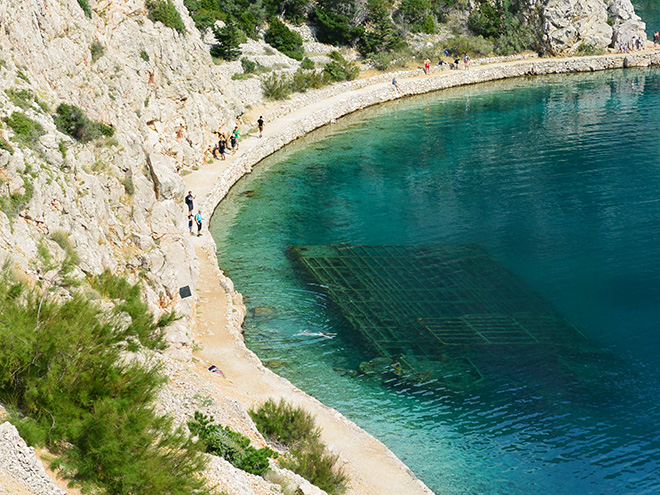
(228, 38)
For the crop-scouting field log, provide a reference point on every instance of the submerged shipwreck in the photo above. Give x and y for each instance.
(449, 315)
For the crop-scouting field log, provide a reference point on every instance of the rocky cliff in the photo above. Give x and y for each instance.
(571, 25)
(118, 200)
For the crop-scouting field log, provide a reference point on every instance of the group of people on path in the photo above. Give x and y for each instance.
(197, 218)
(230, 142)
(225, 142)
(456, 64)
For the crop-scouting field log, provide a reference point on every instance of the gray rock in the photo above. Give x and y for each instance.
(167, 183)
(569, 24)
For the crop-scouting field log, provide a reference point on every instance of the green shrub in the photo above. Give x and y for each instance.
(474, 45)
(284, 423)
(283, 39)
(22, 98)
(312, 462)
(229, 37)
(585, 50)
(84, 4)
(516, 37)
(276, 87)
(231, 446)
(305, 79)
(240, 76)
(296, 429)
(97, 50)
(249, 67)
(334, 28)
(340, 69)
(26, 130)
(61, 366)
(4, 145)
(144, 55)
(11, 205)
(72, 121)
(164, 11)
(307, 64)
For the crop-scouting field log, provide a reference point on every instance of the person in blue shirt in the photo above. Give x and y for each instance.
(198, 220)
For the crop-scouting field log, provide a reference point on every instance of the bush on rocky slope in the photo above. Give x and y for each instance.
(65, 374)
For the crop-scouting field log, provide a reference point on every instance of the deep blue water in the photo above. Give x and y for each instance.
(558, 179)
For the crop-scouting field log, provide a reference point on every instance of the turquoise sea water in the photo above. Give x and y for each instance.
(558, 179)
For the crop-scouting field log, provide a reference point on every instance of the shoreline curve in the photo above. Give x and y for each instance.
(218, 311)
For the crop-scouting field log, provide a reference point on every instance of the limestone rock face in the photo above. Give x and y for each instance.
(626, 23)
(569, 24)
(118, 201)
(21, 473)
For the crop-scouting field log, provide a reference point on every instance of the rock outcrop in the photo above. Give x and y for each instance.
(573, 25)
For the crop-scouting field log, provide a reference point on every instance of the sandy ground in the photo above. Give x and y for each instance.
(372, 468)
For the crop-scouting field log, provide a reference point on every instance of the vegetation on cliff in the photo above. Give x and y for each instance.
(296, 430)
(67, 376)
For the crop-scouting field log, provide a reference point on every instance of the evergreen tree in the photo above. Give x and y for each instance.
(229, 38)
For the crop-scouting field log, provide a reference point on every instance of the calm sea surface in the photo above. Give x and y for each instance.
(558, 180)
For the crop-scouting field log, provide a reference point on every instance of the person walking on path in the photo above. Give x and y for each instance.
(198, 221)
(189, 202)
(260, 124)
(233, 143)
(427, 66)
(236, 134)
(190, 222)
(396, 85)
(655, 39)
(466, 61)
(222, 146)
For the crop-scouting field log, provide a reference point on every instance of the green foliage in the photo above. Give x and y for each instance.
(231, 446)
(586, 49)
(84, 4)
(283, 39)
(21, 75)
(307, 64)
(340, 69)
(385, 61)
(97, 50)
(61, 368)
(205, 12)
(276, 87)
(11, 205)
(129, 187)
(228, 38)
(144, 55)
(72, 121)
(240, 76)
(516, 37)
(26, 130)
(417, 13)
(164, 11)
(297, 430)
(380, 35)
(64, 241)
(283, 423)
(304, 79)
(312, 462)
(4, 145)
(295, 11)
(142, 325)
(334, 28)
(22, 98)
(477, 45)
(248, 65)
(500, 22)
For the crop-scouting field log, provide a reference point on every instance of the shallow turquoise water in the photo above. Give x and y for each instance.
(558, 178)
